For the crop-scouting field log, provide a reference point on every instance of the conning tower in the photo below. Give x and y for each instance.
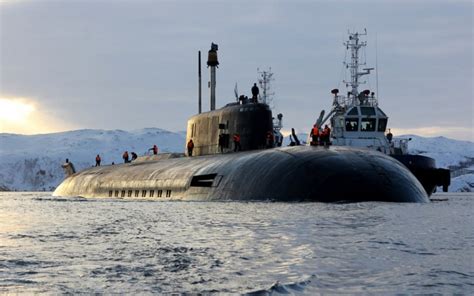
(212, 132)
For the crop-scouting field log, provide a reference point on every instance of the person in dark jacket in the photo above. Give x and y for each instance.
(125, 157)
(134, 156)
(255, 92)
(190, 147)
(270, 139)
(154, 149)
(97, 160)
(237, 146)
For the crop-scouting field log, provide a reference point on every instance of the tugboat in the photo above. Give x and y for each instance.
(231, 154)
(357, 121)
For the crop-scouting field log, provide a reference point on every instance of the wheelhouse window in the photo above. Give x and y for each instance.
(352, 124)
(367, 110)
(353, 111)
(367, 125)
(382, 124)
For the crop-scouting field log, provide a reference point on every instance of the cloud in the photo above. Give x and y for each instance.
(27, 116)
(453, 132)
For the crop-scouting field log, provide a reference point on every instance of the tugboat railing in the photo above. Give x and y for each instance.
(347, 102)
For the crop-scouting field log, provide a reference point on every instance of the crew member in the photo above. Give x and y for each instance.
(134, 156)
(325, 135)
(125, 157)
(255, 92)
(237, 146)
(315, 135)
(154, 149)
(97, 160)
(221, 143)
(270, 139)
(190, 147)
(389, 136)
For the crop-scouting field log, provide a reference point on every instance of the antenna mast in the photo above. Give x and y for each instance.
(199, 81)
(264, 82)
(376, 68)
(354, 44)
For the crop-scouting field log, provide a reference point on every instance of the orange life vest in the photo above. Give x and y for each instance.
(315, 131)
(190, 144)
(236, 138)
(327, 131)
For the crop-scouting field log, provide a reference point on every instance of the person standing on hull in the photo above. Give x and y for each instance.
(97, 160)
(221, 143)
(237, 146)
(270, 139)
(255, 92)
(325, 135)
(125, 157)
(314, 135)
(190, 147)
(389, 136)
(154, 149)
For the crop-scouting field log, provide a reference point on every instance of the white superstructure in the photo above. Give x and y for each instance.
(356, 118)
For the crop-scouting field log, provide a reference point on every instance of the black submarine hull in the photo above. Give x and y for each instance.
(425, 170)
(300, 173)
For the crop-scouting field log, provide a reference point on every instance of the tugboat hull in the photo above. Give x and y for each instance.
(301, 173)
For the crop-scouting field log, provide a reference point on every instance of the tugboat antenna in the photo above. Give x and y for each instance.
(376, 69)
(354, 44)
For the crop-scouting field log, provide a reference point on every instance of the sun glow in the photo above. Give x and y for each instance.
(15, 110)
(27, 116)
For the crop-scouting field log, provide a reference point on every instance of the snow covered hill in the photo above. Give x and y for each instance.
(448, 153)
(34, 162)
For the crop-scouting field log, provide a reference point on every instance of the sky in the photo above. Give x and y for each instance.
(126, 64)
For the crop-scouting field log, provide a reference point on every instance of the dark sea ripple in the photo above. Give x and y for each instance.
(74, 245)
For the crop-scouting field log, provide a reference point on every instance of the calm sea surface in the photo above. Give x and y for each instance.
(61, 245)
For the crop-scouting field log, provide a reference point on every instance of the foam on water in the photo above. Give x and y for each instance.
(76, 245)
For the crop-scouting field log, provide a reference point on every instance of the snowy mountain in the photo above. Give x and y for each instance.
(33, 163)
(448, 153)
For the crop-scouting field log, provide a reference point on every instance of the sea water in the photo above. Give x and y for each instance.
(75, 245)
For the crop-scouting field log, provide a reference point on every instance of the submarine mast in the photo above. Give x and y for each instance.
(199, 83)
(213, 63)
(264, 82)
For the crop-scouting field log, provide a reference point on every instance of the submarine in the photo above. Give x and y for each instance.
(256, 170)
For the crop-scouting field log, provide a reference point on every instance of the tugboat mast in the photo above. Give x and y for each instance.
(354, 45)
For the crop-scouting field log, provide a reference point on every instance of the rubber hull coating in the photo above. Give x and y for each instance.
(424, 169)
(300, 173)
